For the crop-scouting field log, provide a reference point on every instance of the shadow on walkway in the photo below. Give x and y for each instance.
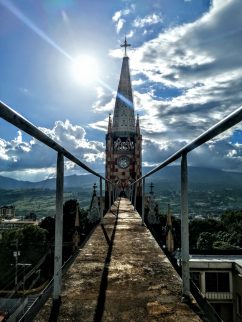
(55, 310)
(104, 280)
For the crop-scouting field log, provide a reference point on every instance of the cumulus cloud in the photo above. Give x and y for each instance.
(189, 55)
(105, 102)
(221, 154)
(30, 156)
(199, 64)
(118, 17)
(120, 25)
(100, 125)
(147, 20)
(130, 34)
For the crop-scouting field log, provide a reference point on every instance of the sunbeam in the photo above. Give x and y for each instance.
(22, 17)
(17, 13)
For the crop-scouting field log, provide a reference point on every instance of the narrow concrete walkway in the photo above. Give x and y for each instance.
(121, 275)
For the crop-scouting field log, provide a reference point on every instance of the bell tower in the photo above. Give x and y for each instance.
(123, 139)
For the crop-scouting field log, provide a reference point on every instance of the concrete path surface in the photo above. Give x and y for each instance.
(121, 274)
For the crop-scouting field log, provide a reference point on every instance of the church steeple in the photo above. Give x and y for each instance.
(123, 119)
(137, 125)
(109, 124)
(123, 139)
(169, 232)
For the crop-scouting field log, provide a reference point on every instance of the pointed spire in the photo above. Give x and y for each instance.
(169, 232)
(109, 123)
(77, 221)
(123, 119)
(137, 125)
(94, 189)
(151, 188)
(169, 222)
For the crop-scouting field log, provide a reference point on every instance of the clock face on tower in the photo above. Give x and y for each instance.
(123, 162)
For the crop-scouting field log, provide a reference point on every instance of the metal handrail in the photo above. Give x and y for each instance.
(229, 121)
(11, 116)
(215, 130)
(22, 123)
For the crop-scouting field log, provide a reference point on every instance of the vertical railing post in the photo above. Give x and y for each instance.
(135, 193)
(143, 201)
(184, 229)
(113, 194)
(109, 195)
(101, 200)
(58, 227)
(131, 194)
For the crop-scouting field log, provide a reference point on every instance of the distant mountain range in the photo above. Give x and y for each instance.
(199, 175)
(169, 174)
(73, 181)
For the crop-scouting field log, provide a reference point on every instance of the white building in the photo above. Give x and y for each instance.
(219, 278)
(7, 212)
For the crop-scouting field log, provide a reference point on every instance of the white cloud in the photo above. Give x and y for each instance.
(147, 21)
(100, 125)
(3, 145)
(200, 64)
(130, 34)
(33, 175)
(118, 19)
(104, 103)
(138, 82)
(117, 15)
(120, 25)
(116, 53)
(31, 157)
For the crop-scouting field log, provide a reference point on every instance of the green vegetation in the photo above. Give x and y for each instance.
(222, 234)
(40, 201)
(200, 226)
(31, 244)
(205, 200)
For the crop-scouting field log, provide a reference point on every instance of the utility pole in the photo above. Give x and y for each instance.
(185, 230)
(23, 265)
(16, 254)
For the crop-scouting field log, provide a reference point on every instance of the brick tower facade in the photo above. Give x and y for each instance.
(123, 139)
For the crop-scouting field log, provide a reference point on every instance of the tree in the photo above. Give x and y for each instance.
(205, 240)
(69, 217)
(48, 223)
(31, 244)
(219, 244)
(232, 220)
(198, 226)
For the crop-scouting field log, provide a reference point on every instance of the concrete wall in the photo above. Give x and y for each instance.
(237, 290)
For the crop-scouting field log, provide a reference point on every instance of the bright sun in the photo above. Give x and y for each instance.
(84, 69)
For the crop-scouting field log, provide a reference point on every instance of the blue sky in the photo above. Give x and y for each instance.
(186, 71)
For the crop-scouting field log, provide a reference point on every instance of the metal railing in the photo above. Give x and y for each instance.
(40, 300)
(225, 124)
(19, 121)
(219, 295)
(23, 124)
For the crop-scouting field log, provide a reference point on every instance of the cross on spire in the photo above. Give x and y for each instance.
(125, 45)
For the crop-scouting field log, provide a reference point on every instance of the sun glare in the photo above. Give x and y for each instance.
(84, 69)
